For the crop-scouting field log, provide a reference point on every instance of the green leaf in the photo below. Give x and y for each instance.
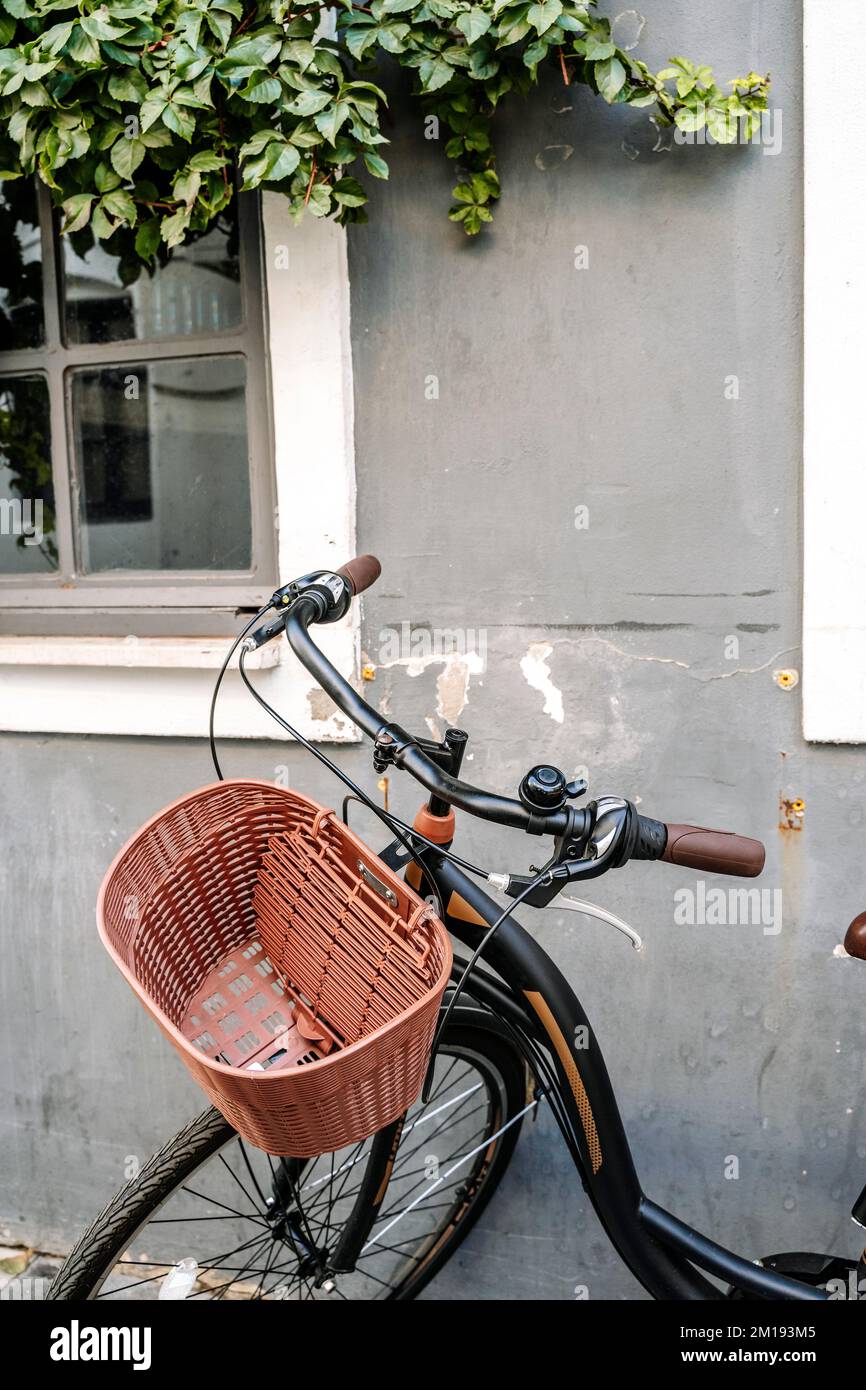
(309, 103)
(329, 122)
(120, 205)
(152, 108)
(392, 37)
(126, 155)
(609, 76)
(691, 119)
(723, 127)
(147, 239)
(178, 119)
(261, 89)
(349, 193)
(103, 226)
(105, 177)
(597, 50)
(127, 86)
(358, 40)
(220, 26)
(473, 23)
(484, 64)
(54, 38)
(186, 186)
(35, 94)
(303, 53)
(124, 57)
(76, 212)
(157, 138)
(543, 14)
(277, 162)
(376, 165)
(305, 136)
(435, 72)
(190, 63)
(173, 227)
(101, 26)
(18, 123)
(320, 200)
(206, 161)
(257, 143)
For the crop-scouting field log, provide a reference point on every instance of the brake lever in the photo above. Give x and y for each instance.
(609, 838)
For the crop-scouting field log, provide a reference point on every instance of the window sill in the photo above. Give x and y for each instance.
(162, 687)
(148, 653)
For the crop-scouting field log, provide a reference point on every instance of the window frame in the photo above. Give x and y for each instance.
(148, 602)
(834, 480)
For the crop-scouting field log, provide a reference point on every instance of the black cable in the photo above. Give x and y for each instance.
(416, 835)
(219, 681)
(338, 772)
(545, 1075)
(473, 960)
(393, 822)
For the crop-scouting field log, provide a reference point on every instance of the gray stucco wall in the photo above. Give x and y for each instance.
(558, 388)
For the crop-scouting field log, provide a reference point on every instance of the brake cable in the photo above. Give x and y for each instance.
(219, 680)
(472, 962)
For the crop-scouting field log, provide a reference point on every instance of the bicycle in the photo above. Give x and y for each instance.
(380, 1220)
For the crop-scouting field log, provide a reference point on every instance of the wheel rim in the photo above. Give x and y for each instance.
(225, 1215)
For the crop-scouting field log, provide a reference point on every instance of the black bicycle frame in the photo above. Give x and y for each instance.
(662, 1252)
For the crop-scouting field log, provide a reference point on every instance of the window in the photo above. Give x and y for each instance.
(136, 487)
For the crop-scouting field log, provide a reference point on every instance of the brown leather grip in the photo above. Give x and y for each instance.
(717, 851)
(855, 937)
(361, 572)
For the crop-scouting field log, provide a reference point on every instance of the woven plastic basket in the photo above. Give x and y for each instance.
(296, 975)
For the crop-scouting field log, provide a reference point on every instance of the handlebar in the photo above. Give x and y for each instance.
(695, 847)
(406, 752)
(691, 846)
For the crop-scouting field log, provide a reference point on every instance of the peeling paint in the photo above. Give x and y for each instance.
(321, 705)
(452, 683)
(626, 29)
(551, 155)
(452, 686)
(537, 674)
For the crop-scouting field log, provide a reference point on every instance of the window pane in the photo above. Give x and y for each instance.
(110, 295)
(21, 324)
(163, 465)
(27, 535)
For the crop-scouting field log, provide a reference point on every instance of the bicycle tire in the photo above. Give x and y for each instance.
(474, 1036)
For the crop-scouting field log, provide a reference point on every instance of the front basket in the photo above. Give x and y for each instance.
(298, 977)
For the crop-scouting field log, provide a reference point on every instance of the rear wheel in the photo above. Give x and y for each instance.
(374, 1221)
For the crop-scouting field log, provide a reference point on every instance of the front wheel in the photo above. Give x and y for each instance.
(374, 1221)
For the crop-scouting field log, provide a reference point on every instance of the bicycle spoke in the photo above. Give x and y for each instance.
(241, 1215)
(233, 1174)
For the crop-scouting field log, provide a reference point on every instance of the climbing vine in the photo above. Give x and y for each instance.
(143, 116)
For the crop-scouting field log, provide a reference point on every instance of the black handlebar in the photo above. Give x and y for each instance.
(408, 753)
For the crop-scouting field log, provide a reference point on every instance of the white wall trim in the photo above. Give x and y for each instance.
(161, 686)
(834, 463)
